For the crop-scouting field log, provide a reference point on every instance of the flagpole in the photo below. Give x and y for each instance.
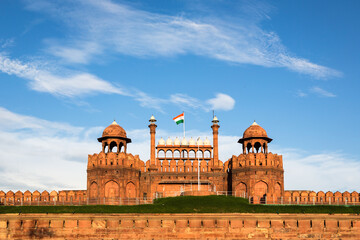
(184, 124)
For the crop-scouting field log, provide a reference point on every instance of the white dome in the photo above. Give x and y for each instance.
(207, 142)
(199, 142)
(184, 142)
(169, 142)
(161, 141)
(215, 120)
(177, 141)
(152, 119)
(192, 142)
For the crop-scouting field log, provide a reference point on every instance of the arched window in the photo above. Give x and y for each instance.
(192, 154)
(168, 154)
(176, 154)
(113, 147)
(184, 154)
(207, 154)
(248, 147)
(257, 146)
(199, 154)
(106, 149)
(161, 154)
(121, 147)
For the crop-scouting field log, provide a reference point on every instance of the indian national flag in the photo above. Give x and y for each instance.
(179, 119)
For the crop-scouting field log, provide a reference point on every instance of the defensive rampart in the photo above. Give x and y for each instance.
(79, 197)
(179, 226)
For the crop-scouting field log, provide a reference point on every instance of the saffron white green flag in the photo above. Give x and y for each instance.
(179, 119)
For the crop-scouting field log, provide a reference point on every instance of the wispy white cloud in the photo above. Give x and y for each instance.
(146, 100)
(222, 102)
(82, 54)
(37, 154)
(12, 121)
(321, 92)
(80, 84)
(187, 102)
(6, 43)
(64, 84)
(108, 26)
(301, 94)
(316, 91)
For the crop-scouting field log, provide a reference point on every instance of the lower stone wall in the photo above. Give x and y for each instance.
(179, 226)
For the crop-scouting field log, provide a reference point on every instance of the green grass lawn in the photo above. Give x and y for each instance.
(186, 204)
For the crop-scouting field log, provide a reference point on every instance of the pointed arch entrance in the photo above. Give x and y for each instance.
(93, 191)
(111, 191)
(130, 191)
(261, 189)
(277, 191)
(240, 190)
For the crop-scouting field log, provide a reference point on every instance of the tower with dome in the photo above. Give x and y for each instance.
(257, 172)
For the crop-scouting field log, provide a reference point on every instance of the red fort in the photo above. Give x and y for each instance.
(180, 167)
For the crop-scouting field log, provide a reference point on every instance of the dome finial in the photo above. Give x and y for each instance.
(215, 120)
(254, 124)
(114, 123)
(152, 119)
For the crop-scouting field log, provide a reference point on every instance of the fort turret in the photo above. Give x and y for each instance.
(257, 173)
(113, 173)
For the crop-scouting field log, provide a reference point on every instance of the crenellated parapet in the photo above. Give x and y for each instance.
(184, 166)
(113, 159)
(257, 160)
(321, 197)
(43, 198)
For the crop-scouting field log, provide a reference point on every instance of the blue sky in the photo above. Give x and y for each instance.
(68, 68)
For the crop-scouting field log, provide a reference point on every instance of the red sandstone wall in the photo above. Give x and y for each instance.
(77, 197)
(311, 197)
(180, 226)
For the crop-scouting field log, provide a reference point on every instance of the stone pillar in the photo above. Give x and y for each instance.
(215, 128)
(152, 127)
